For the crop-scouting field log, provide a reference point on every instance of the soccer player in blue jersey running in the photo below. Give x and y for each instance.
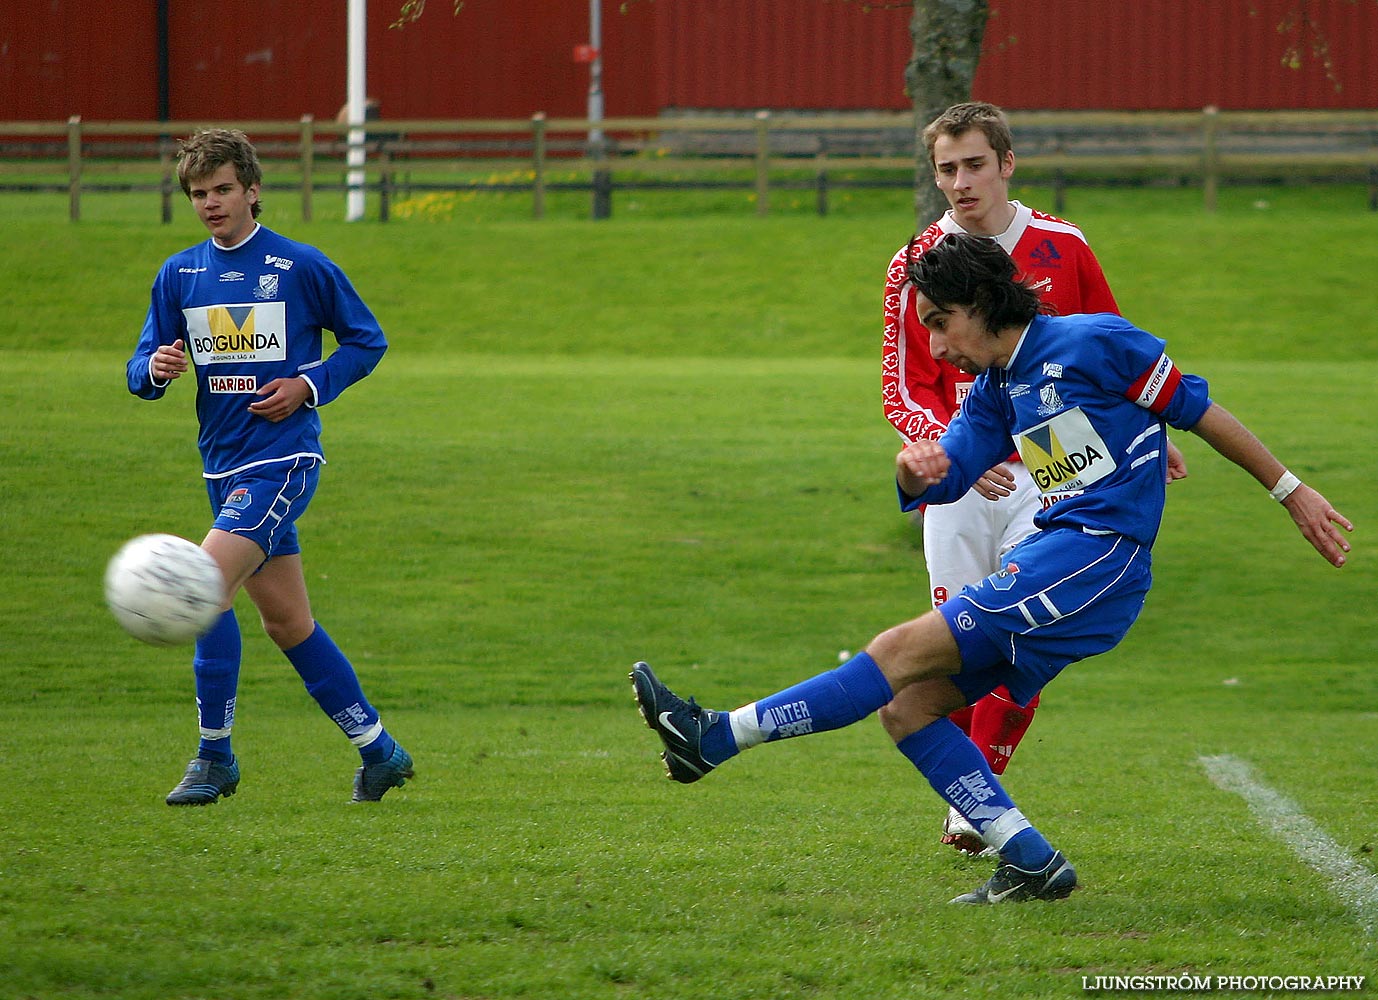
(246, 309)
(1086, 401)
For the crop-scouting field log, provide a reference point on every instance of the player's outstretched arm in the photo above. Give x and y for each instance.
(1318, 521)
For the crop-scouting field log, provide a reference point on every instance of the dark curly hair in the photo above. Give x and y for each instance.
(975, 273)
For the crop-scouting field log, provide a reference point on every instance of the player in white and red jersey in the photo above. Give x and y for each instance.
(971, 150)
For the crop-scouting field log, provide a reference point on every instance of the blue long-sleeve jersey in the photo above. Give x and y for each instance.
(246, 316)
(1084, 400)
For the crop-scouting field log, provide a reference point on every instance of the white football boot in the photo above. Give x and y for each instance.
(960, 834)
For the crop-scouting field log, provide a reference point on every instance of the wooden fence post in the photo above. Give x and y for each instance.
(308, 164)
(601, 180)
(165, 177)
(1373, 170)
(538, 165)
(74, 168)
(762, 162)
(821, 174)
(384, 183)
(1059, 178)
(1210, 153)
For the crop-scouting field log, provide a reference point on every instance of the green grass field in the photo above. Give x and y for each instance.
(661, 438)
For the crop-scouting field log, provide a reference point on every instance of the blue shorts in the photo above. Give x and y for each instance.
(1062, 596)
(263, 503)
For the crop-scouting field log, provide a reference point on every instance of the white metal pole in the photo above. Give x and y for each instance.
(596, 71)
(355, 95)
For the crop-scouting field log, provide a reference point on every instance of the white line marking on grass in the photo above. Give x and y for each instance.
(1353, 883)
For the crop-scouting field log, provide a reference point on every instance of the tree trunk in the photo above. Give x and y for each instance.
(947, 46)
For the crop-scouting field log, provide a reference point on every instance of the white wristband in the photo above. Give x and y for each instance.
(1285, 485)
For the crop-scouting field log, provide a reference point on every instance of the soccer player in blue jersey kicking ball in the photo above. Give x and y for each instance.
(1086, 401)
(246, 308)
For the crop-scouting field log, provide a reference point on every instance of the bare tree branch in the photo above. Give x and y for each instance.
(1302, 32)
(412, 10)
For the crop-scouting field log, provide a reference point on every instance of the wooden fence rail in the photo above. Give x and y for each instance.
(761, 152)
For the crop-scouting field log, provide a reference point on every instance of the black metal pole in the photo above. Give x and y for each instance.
(164, 91)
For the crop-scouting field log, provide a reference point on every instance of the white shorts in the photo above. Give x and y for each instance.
(966, 541)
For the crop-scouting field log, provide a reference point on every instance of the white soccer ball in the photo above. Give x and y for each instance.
(164, 589)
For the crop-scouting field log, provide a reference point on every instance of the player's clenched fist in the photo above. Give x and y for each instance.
(168, 362)
(919, 465)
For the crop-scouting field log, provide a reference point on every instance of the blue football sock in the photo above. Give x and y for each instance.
(830, 700)
(331, 680)
(379, 750)
(958, 771)
(216, 668)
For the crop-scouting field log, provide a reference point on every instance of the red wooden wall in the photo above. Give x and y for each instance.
(56, 59)
(258, 59)
(807, 54)
(1177, 54)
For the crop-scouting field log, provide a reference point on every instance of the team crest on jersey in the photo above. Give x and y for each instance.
(267, 287)
(1049, 400)
(1005, 579)
(1065, 453)
(237, 333)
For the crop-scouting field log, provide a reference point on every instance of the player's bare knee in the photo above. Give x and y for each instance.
(903, 717)
(287, 632)
(894, 722)
(916, 651)
(892, 651)
(885, 716)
